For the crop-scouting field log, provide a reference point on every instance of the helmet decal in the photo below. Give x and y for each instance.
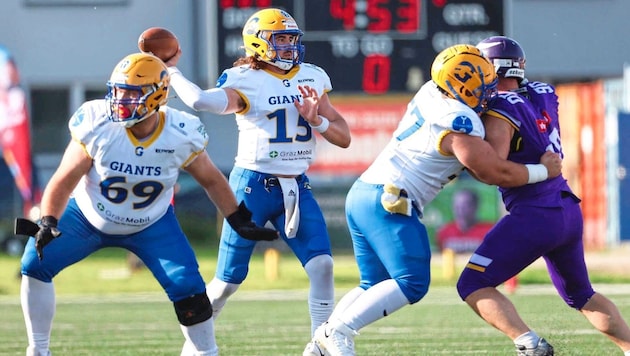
(464, 74)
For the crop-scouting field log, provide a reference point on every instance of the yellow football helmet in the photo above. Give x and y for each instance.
(464, 74)
(148, 77)
(259, 38)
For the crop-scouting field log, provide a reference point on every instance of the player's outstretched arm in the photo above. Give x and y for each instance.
(75, 163)
(214, 100)
(487, 166)
(218, 190)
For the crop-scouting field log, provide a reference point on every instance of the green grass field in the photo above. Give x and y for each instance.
(102, 310)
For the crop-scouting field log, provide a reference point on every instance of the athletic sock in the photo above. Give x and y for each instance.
(38, 306)
(320, 310)
(202, 337)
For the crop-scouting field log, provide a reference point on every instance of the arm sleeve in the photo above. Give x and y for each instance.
(214, 100)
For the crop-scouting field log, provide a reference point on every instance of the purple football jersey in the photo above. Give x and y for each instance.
(534, 114)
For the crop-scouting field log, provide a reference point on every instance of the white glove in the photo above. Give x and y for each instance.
(393, 202)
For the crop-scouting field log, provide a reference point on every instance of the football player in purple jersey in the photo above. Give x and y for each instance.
(521, 124)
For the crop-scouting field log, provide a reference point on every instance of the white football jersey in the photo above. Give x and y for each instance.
(412, 160)
(130, 184)
(273, 138)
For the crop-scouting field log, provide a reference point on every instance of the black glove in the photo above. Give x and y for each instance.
(241, 221)
(47, 232)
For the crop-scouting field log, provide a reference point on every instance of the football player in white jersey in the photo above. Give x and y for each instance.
(440, 134)
(279, 102)
(113, 187)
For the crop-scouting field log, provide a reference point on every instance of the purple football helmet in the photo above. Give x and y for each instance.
(506, 55)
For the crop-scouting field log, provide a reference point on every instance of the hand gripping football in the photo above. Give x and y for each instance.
(158, 41)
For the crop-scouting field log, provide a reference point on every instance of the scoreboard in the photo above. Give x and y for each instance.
(369, 46)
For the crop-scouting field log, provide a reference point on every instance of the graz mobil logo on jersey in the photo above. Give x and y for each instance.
(273, 154)
(463, 124)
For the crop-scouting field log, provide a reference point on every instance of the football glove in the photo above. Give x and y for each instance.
(241, 222)
(395, 200)
(44, 232)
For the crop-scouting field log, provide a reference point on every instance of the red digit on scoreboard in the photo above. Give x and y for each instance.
(379, 15)
(376, 73)
(409, 13)
(343, 10)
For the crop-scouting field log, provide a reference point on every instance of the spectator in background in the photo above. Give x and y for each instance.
(15, 136)
(465, 233)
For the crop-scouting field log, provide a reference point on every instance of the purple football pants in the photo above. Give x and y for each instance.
(524, 235)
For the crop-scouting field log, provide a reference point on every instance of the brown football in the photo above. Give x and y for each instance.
(159, 41)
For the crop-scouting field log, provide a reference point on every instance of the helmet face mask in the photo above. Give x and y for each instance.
(269, 34)
(464, 74)
(137, 88)
(506, 55)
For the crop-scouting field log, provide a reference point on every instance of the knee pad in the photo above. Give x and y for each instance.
(193, 310)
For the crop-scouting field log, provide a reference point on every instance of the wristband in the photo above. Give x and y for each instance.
(537, 173)
(321, 128)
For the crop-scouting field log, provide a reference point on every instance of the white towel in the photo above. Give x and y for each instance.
(291, 195)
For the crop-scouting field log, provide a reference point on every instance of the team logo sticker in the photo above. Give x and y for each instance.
(462, 124)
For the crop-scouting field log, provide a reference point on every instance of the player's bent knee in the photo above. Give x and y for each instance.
(414, 288)
(578, 300)
(321, 265)
(470, 282)
(36, 269)
(193, 310)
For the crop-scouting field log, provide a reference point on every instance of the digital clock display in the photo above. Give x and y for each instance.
(370, 46)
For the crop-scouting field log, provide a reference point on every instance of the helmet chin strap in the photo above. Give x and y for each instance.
(281, 64)
(130, 123)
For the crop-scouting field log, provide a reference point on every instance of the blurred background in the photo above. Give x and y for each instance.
(55, 54)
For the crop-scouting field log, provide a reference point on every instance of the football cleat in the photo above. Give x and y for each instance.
(313, 349)
(335, 340)
(542, 349)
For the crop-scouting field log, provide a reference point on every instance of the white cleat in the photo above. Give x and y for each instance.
(313, 349)
(335, 341)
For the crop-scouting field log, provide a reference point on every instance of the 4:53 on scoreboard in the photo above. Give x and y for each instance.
(370, 46)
